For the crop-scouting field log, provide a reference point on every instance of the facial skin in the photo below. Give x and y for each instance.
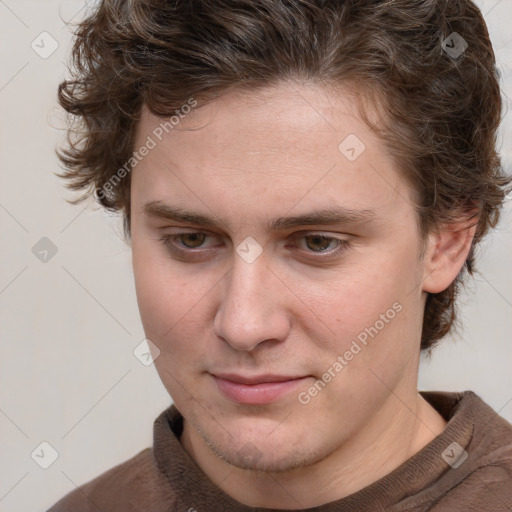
(244, 160)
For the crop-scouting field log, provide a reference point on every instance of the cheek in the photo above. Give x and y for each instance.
(384, 340)
(175, 302)
(169, 305)
(158, 289)
(348, 301)
(172, 314)
(372, 303)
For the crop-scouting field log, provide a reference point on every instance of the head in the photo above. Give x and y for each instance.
(299, 181)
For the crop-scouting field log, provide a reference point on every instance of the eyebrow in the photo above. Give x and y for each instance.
(326, 216)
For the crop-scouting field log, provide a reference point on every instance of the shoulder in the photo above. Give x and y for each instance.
(486, 488)
(488, 484)
(129, 486)
(481, 476)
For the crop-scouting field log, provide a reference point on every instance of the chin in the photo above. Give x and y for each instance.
(271, 457)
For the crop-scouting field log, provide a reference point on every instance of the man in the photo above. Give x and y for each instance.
(303, 184)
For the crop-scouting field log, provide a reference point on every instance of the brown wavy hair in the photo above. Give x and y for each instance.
(441, 111)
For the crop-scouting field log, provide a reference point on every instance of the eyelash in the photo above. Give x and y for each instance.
(169, 241)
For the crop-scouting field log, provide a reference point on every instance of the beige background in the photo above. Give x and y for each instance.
(69, 326)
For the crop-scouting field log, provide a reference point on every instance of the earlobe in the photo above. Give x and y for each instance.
(447, 250)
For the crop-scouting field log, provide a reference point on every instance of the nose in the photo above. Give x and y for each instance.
(253, 307)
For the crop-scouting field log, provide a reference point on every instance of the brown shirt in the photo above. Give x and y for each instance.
(437, 478)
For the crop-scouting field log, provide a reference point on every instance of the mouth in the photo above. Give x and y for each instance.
(256, 390)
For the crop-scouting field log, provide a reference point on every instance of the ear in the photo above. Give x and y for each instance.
(447, 249)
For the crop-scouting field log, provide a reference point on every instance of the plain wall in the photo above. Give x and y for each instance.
(69, 325)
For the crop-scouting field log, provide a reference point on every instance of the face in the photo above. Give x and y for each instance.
(276, 254)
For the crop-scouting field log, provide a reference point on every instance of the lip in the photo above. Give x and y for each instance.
(256, 390)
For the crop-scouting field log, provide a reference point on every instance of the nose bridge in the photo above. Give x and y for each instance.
(250, 310)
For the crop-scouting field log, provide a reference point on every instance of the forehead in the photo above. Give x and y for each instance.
(282, 144)
(287, 109)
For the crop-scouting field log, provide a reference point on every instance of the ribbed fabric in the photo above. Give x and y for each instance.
(166, 479)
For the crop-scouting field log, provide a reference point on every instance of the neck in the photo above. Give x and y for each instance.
(363, 459)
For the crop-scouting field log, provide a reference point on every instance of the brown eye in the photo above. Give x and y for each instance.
(192, 240)
(317, 243)
(193, 246)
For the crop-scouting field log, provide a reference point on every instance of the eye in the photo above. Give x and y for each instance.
(318, 243)
(321, 244)
(192, 240)
(188, 242)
